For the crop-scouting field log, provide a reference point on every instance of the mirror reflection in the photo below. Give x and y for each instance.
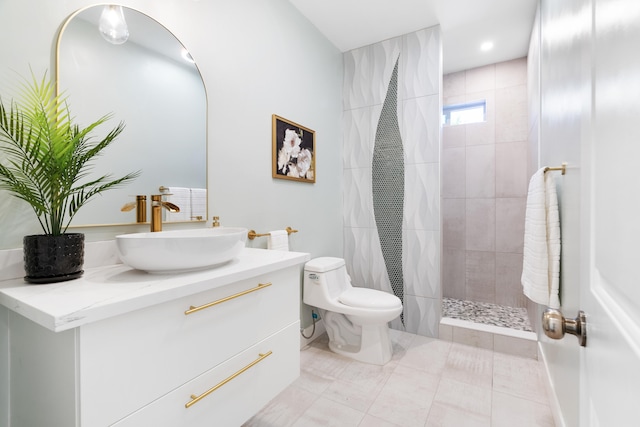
(150, 82)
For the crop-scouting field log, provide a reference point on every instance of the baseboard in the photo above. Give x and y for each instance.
(551, 392)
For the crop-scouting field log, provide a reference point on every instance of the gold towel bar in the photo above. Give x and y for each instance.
(252, 233)
(562, 168)
(195, 399)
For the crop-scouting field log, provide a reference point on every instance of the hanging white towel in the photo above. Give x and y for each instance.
(180, 196)
(198, 203)
(541, 257)
(278, 240)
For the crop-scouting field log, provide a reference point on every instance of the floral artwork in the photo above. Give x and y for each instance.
(293, 151)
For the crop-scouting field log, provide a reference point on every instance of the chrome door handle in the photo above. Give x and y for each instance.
(555, 325)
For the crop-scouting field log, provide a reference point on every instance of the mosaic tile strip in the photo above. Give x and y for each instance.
(486, 313)
(388, 186)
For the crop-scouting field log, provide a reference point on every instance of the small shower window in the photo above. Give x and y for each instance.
(462, 114)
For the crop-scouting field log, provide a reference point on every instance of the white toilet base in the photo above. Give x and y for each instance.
(375, 343)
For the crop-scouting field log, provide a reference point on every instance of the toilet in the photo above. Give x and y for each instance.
(356, 318)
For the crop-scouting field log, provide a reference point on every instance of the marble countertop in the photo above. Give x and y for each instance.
(108, 291)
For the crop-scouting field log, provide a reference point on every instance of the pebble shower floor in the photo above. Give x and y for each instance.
(486, 313)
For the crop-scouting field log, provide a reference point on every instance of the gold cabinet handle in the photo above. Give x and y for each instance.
(195, 399)
(193, 309)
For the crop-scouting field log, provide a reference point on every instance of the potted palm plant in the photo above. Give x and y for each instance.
(45, 159)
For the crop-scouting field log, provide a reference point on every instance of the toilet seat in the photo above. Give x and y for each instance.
(369, 298)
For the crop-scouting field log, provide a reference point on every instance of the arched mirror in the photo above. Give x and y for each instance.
(151, 83)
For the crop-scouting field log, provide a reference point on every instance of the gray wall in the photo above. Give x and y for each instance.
(410, 265)
(484, 186)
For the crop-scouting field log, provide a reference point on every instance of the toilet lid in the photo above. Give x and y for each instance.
(368, 298)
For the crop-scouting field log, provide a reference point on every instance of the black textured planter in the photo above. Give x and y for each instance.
(50, 259)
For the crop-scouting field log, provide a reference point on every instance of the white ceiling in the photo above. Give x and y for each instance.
(465, 24)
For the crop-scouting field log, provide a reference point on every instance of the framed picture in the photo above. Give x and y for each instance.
(294, 151)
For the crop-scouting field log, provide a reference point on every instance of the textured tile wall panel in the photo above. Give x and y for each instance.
(421, 129)
(422, 197)
(422, 263)
(379, 275)
(357, 254)
(357, 78)
(357, 204)
(357, 138)
(422, 315)
(388, 186)
(384, 57)
(421, 63)
(403, 234)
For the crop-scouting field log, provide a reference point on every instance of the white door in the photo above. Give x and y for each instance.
(610, 292)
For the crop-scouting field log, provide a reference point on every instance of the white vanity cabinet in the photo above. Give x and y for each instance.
(199, 349)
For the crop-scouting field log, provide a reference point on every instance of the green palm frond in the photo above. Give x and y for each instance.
(44, 156)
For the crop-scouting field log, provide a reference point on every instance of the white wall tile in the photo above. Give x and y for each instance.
(422, 63)
(357, 86)
(357, 202)
(367, 74)
(422, 315)
(357, 254)
(422, 197)
(421, 263)
(420, 129)
(379, 278)
(357, 138)
(384, 57)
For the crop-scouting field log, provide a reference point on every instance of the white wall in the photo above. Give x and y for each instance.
(564, 109)
(257, 58)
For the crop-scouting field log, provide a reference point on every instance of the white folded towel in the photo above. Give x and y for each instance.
(541, 257)
(180, 196)
(278, 240)
(198, 203)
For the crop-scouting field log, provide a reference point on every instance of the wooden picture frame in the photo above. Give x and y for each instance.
(294, 151)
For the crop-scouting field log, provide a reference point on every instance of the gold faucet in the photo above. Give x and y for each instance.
(156, 211)
(141, 208)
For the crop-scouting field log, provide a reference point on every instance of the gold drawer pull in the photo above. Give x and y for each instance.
(193, 309)
(195, 399)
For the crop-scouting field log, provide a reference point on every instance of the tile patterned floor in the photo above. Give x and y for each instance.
(428, 382)
(489, 314)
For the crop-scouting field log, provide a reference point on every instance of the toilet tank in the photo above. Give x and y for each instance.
(325, 279)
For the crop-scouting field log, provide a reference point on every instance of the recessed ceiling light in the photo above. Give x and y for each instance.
(486, 46)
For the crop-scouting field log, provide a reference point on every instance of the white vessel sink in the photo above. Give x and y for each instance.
(180, 250)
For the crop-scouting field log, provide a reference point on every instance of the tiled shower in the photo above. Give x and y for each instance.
(484, 187)
(394, 201)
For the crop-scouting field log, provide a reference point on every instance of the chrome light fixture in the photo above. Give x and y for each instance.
(112, 25)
